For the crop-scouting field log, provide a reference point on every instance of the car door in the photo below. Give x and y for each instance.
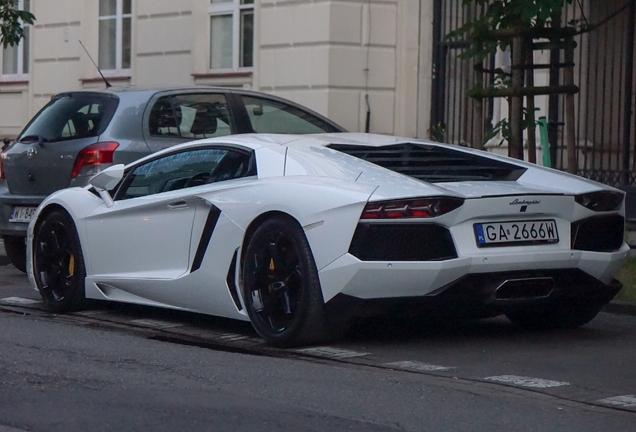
(176, 118)
(147, 233)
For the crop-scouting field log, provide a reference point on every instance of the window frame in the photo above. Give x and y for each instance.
(172, 101)
(119, 38)
(233, 8)
(20, 75)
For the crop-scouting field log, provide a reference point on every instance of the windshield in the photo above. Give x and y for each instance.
(71, 116)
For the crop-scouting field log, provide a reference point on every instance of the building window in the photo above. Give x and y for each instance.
(115, 19)
(15, 59)
(231, 34)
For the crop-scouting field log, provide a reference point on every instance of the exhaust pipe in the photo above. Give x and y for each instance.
(525, 288)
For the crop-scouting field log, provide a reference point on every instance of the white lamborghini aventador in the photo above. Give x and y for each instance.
(298, 234)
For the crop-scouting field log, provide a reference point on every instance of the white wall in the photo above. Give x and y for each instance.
(326, 55)
(329, 54)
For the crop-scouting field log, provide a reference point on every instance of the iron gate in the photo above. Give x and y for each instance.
(604, 71)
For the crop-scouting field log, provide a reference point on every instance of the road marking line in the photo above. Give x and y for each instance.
(90, 312)
(19, 300)
(233, 336)
(10, 429)
(155, 323)
(330, 352)
(419, 366)
(527, 381)
(624, 401)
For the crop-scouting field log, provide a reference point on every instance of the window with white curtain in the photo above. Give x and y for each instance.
(115, 20)
(15, 59)
(231, 34)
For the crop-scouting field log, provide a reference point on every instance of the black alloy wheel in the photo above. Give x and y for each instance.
(281, 288)
(58, 263)
(15, 247)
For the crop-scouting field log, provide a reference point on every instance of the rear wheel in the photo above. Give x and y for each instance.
(281, 286)
(556, 317)
(15, 247)
(58, 263)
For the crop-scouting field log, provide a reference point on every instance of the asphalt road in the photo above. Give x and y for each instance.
(130, 368)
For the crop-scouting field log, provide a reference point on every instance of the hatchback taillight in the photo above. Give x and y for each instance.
(411, 208)
(94, 154)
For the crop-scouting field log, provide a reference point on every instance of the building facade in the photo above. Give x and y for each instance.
(380, 65)
(341, 58)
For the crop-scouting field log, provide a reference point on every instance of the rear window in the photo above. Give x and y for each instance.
(71, 116)
(432, 163)
(269, 116)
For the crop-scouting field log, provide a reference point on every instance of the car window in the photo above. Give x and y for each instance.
(70, 117)
(186, 169)
(190, 116)
(269, 116)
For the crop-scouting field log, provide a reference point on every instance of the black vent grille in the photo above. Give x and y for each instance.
(599, 233)
(402, 242)
(231, 282)
(432, 163)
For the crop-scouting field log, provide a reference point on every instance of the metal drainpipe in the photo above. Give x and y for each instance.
(629, 79)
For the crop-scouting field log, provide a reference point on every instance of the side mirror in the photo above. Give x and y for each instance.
(106, 180)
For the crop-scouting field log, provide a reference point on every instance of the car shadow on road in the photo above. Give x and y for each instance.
(385, 331)
(130, 313)
(403, 330)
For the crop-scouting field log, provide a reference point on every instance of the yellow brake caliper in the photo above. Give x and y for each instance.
(71, 265)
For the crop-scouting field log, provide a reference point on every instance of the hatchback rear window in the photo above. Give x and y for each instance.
(71, 116)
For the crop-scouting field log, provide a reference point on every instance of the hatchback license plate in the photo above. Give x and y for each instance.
(516, 233)
(22, 214)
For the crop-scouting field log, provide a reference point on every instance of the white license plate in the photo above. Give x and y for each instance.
(22, 214)
(516, 233)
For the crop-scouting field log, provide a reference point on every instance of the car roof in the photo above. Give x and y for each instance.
(255, 141)
(159, 89)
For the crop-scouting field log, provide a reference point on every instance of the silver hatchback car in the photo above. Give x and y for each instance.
(78, 134)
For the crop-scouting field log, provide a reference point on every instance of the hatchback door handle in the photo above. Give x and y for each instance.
(178, 205)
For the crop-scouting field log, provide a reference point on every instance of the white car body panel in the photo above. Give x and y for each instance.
(141, 251)
(146, 221)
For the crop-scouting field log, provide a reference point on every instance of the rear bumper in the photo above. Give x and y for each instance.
(7, 203)
(494, 281)
(487, 294)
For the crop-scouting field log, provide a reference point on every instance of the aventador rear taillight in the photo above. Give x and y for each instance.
(410, 208)
(601, 201)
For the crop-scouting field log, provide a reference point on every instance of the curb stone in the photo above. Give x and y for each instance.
(620, 307)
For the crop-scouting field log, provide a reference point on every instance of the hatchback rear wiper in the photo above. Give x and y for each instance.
(31, 138)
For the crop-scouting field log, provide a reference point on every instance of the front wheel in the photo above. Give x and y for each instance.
(58, 263)
(281, 288)
(556, 317)
(15, 247)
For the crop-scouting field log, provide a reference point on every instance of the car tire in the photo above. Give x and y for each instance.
(58, 263)
(15, 247)
(281, 289)
(556, 317)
